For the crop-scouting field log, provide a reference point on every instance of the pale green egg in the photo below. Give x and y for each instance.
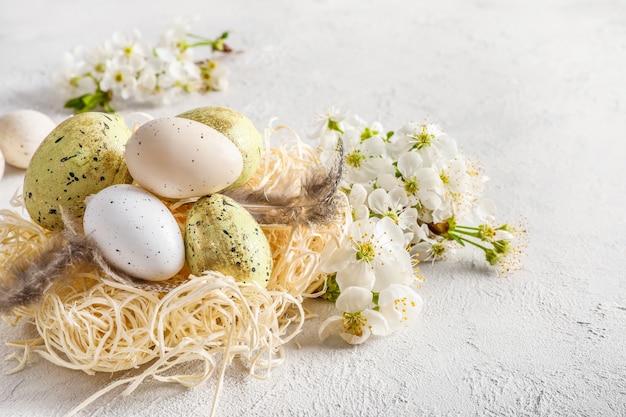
(221, 235)
(81, 156)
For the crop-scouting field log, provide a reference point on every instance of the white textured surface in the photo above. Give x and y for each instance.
(535, 89)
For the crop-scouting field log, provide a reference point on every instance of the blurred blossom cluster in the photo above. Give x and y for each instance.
(128, 69)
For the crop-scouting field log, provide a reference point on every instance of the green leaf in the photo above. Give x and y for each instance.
(76, 103)
(332, 288)
(90, 101)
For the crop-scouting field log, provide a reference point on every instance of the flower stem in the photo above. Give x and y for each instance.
(458, 238)
(216, 45)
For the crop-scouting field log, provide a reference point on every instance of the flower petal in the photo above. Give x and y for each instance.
(336, 257)
(388, 181)
(387, 231)
(354, 339)
(396, 270)
(357, 273)
(358, 194)
(330, 326)
(376, 323)
(409, 163)
(400, 305)
(354, 299)
(379, 201)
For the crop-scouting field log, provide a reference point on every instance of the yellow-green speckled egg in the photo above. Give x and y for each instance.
(81, 156)
(221, 235)
(236, 127)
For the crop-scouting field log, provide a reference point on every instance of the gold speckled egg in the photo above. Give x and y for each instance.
(81, 156)
(221, 235)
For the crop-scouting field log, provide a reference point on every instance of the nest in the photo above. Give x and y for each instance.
(93, 322)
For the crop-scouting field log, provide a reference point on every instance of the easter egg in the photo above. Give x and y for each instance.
(135, 232)
(21, 132)
(180, 158)
(221, 235)
(239, 129)
(79, 157)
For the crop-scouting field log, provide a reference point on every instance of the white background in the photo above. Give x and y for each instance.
(535, 89)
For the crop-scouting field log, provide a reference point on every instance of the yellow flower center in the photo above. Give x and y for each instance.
(393, 216)
(438, 250)
(353, 323)
(365, 252)
(411, 185)
(423, 139)
(401, 304)
(355, 159)
(486, 231)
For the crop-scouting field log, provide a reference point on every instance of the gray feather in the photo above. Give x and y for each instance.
(315, 202)
(27, 279)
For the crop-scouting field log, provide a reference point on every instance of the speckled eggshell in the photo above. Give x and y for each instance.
(21, 132)
(81, 156)
(221, 235)
(236, 127)
(135, 232)
(179, 158)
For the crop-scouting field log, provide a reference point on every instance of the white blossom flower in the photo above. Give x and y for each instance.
(128, 44)
(95, 58)
(426, 246)
(422, 184)
(71, 77)
(400, 305)
(364, 159)
(394, 204)
(120, 77)
(372, 256)
(331, 120)
(432, 250)
(358, 320)
(427, 139)
(175, 37)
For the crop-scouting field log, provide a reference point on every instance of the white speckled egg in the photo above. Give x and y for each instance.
(21, 132)
(135, 232)
(180, 158)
